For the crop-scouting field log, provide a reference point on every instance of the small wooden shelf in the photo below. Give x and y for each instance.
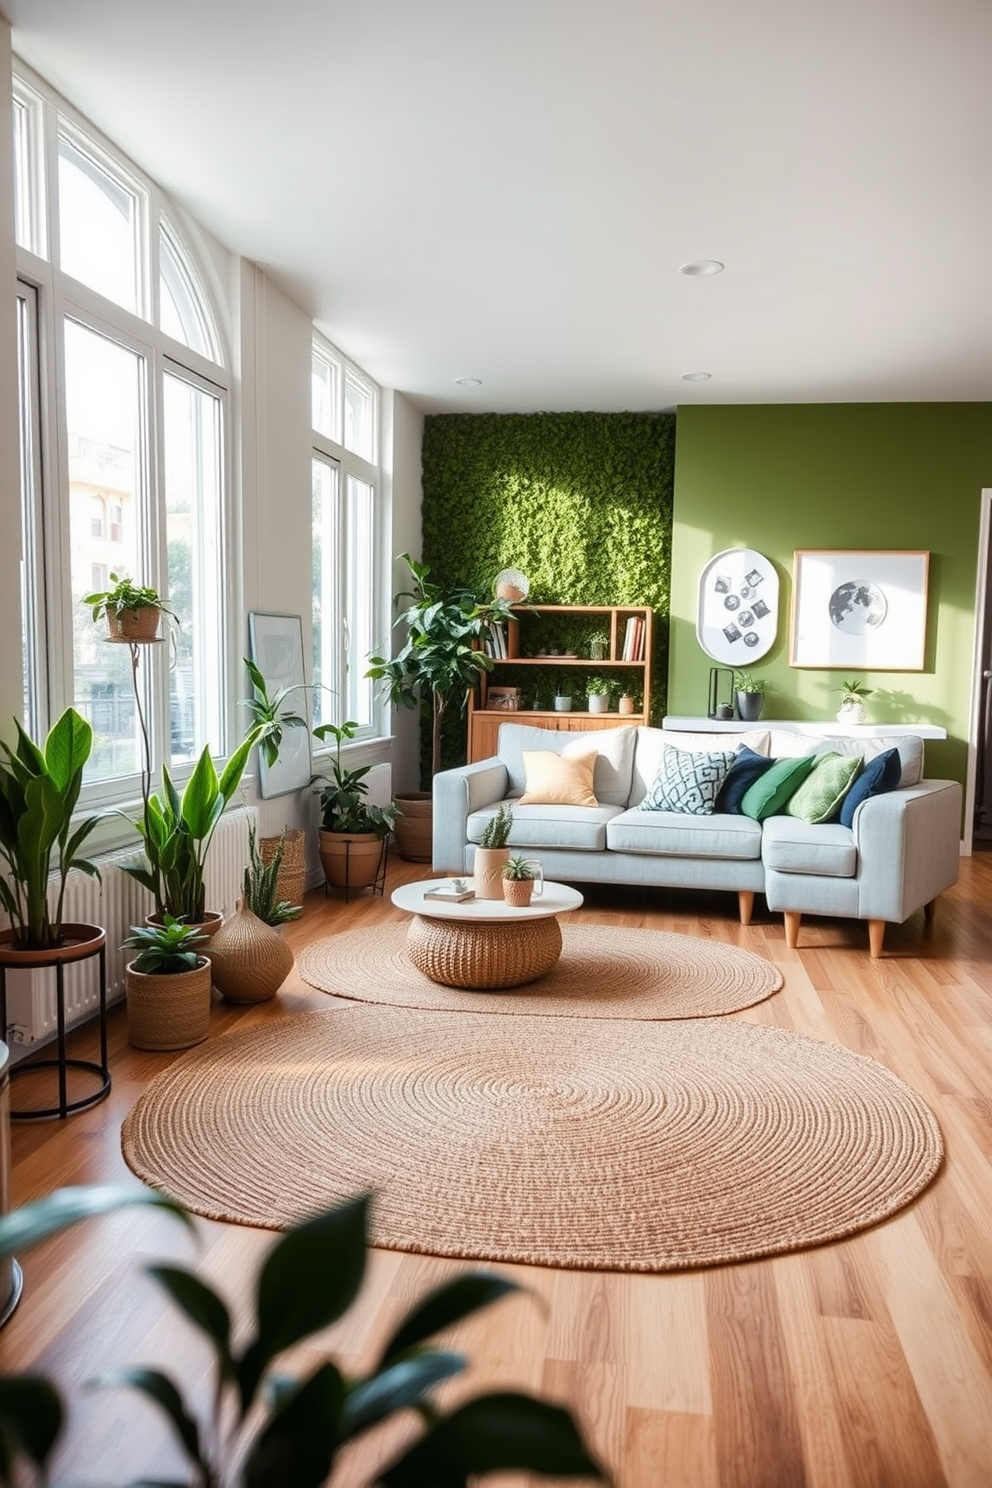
(522, 636)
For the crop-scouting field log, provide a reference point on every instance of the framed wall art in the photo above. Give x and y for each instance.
(737, 619)
(276, 645)
(859, 609)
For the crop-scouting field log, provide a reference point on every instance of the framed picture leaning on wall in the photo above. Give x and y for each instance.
(276, 645)
(859, 609)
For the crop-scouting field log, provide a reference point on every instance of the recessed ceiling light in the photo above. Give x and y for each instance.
(696, 376)
(468, 382)
(699, 267)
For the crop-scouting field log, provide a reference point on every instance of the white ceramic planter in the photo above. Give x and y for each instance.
(598, 702)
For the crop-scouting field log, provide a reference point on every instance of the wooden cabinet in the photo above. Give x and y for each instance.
(525, 664)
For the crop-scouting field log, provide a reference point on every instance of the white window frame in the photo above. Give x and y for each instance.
(350, 464)
(58, 296)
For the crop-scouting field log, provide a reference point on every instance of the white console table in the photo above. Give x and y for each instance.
(812, 727)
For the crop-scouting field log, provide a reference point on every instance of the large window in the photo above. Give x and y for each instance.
(123, 441)
(345, 536)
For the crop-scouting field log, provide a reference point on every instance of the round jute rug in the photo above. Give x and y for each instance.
(604, 972)
(610, 1146)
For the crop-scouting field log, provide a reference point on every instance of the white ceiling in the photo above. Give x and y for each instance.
(506, 189)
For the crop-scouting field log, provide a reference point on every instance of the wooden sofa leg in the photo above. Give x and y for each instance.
(929, 910)
(792, 921)
(745, 905)
(876, 935)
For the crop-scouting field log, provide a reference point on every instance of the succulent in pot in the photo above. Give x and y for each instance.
(520, 874)
(39, 791)
(167, 986)
(133, 611)
(852, 705)
(492, 854)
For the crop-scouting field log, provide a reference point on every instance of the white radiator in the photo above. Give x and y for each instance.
(116, 904)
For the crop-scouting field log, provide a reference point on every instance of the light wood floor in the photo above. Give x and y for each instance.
(867, 1362)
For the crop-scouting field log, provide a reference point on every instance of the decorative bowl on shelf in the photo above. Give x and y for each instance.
(511, 585)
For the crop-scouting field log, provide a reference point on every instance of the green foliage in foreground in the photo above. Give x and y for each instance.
(288, 1431)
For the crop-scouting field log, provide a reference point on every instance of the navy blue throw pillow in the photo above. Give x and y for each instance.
(879, 775)
(746, 769)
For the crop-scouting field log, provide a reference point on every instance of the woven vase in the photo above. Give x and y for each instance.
(250, 959)
(134, 625)
(168, 1011)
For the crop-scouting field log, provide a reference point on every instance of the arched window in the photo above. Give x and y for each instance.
(116, 307)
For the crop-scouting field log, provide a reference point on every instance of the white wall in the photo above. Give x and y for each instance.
(403, 435)
(11, 660)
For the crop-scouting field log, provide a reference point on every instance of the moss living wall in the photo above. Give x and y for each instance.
(581, 502)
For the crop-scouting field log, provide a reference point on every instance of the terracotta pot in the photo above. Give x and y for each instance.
(487, 871)
(250, 959)
(350, 860)
(415, 828)
(79, 941)
(166, 1012)
(209, 925)
(626, 705)
(134, 625)
(518, 891)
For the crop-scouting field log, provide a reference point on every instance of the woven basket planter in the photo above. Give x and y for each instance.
(292, 880)
(168, 1011)
(134, 625)
(250, 959)
(414, 829)
(518, 891)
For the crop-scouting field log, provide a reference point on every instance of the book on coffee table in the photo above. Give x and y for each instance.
(451, 896)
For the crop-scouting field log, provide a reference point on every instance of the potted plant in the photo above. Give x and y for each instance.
(167, 986)
(248, 955)
(749, 692)
(562, 699)
(519, 876)
(133, 611)
(261, 885)
(250, 1421)
(598, 693)
(177, 831)
(437, 665)
(39, 790)
(599, 645)
(492, 854)
(627, 703)
(352, 829)
(852, 705)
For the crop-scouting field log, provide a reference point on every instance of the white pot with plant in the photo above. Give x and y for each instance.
(598, 691)
(852, 707)
(562, 699)
(492, 855)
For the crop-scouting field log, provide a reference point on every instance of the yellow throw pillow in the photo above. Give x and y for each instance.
(557, 780)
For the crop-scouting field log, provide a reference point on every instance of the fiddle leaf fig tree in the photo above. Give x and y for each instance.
(257, 1427)
(443, 654)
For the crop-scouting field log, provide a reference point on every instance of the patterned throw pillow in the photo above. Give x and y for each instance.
(687, 782)
(819, 797)
(746, 769)
(881, 774)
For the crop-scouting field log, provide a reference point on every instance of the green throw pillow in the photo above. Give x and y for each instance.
(818, 798)
(769, 793)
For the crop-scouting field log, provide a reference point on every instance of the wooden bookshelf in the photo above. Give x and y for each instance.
(523, 645)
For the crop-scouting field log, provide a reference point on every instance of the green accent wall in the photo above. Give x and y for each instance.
(778, 478)
(581, 502)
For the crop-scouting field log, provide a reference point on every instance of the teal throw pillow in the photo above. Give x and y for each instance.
(688, 782)
(768, 795)
(819, 797)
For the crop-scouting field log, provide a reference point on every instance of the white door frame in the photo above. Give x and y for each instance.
(977, 667)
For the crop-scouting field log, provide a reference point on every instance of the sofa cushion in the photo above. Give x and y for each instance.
(771, 790)
(613, 747)
(883, 773)
(746, 769)
(688, 782)
(582, 828)
(910, 747)
(821, 794)
(675, 834)
(557, 779)
(789, 845)
(651, 742)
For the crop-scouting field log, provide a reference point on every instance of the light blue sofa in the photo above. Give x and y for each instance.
(900, 853)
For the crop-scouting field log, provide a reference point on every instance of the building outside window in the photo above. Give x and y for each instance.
(129, 473)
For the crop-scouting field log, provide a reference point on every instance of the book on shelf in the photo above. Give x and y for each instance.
(449, 894)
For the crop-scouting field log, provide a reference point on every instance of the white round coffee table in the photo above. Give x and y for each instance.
(484, 943)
